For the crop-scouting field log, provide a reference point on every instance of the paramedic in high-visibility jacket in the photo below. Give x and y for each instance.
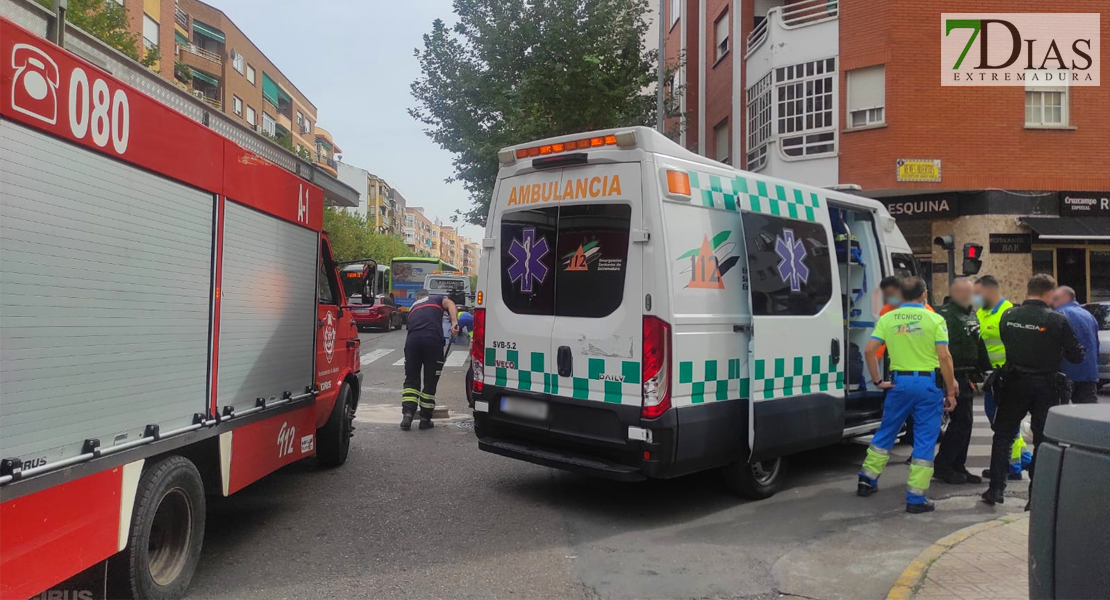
(917, 342)
(424, 351)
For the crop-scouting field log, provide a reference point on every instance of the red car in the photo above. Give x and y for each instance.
(382, 314)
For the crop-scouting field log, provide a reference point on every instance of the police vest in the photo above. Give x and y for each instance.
(990, 330)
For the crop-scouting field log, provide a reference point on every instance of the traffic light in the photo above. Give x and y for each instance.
(973, 258)
(946, 242)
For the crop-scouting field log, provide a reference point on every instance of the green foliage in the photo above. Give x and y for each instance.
(352, 237)
(512, 71)
(283, 139)
(107, 21)
(182, 72)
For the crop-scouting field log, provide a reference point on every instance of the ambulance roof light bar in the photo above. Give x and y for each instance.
(621, 139)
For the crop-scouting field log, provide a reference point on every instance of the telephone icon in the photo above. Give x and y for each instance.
(35, 85)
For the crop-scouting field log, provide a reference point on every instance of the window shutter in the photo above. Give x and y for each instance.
(867, 88)
(150, 29)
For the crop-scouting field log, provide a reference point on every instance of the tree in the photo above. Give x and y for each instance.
(353, 238)
(517, 70)
(107, 21)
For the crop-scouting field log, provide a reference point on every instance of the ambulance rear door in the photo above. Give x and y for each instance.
(797, 385)
(565, 297)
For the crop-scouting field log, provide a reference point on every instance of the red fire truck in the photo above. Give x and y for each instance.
(172, 325)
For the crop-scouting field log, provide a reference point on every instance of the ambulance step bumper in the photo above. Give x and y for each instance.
(557, 459)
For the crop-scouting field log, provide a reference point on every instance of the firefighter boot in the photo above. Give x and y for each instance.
(426, 418)
(406, 417)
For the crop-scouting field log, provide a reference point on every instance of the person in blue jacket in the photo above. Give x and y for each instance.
(1083, 377)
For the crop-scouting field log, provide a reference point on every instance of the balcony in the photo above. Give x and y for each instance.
(194, 49)
(792, 99)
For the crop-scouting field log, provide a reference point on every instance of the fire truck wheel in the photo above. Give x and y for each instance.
(334, 438)
(756, 481)
(167, 530)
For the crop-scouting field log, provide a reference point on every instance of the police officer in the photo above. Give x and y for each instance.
(988, 299)
(424, 352)
(970, 361)
(917, 342)
(1036, 339)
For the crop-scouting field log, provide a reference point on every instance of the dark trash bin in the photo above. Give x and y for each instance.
(1069, 526)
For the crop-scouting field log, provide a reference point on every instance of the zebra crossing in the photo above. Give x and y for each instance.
(456, 359)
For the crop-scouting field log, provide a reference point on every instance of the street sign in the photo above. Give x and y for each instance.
(918, 169)
(1011, 243)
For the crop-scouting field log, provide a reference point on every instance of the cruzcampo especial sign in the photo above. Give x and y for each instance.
(918, 169)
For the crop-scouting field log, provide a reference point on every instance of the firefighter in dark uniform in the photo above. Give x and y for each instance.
(1036, 339)
(424, 351)
(969, 357)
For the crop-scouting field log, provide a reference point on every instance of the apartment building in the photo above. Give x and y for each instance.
(204, 52)
(449, 244)
(470, 255)
(360, 179)
(848, 93)
(418, 231)
(327, 153)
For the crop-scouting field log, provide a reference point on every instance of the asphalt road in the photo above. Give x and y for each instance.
(423, 514)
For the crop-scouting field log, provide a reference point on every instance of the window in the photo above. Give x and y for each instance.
(867, 96)
(904, 266)
(676, 11)
(1044, 261)
(720, 35)
(250, 115)
(300, 121)
(789, 265)
(759, 122)
(150, 32)
(250, 74)
(269, 126)
(307, 128)
(237, 61)
(1046, 107)
(237, 105)
(327, 286)
(575, 261)
(720, 141)
(804, 94)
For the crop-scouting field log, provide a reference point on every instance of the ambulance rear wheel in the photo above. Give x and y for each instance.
(167, 531)
(756, 481)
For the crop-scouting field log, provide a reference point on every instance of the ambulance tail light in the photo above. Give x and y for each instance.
(656, 368)
(478, 349)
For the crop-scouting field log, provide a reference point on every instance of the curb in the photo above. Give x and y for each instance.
(912, 576)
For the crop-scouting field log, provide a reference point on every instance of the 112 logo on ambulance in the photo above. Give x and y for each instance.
(710, 261)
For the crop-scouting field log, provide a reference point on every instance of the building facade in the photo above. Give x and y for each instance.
(449, 244)
(205, 53)
(359, 179)
(470, 255)
(847, 93)
(418, 231)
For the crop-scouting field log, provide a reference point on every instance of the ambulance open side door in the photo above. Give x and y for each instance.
(797, 348)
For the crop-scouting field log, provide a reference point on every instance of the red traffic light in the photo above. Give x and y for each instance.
(973, 251)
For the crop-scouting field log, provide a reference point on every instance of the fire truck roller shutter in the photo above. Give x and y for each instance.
(267, 307)
(105, 276)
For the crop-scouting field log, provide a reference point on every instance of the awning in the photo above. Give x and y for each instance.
(1069, 228)
(209, 31)
(272, 93)
(201, 75)
(180, 38)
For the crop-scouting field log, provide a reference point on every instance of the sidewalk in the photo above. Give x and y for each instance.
(988, 560)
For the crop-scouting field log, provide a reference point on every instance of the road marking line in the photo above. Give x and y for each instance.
(400, 363)
(375, 355)
(456, 358)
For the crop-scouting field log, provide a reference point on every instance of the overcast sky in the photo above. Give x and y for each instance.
(354, 60)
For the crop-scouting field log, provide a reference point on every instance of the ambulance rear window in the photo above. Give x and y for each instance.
(565, 261)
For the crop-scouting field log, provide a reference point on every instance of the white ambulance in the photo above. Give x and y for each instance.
(645, 312)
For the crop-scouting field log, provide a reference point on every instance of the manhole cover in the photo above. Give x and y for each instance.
(467, 424)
